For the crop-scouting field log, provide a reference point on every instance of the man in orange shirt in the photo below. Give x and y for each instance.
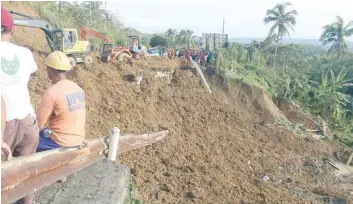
(63, 107)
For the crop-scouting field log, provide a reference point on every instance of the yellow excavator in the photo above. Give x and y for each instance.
(65, 40)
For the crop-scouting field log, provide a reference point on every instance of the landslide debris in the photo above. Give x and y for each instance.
(222, 147)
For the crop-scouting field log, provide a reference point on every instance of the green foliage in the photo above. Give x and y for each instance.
(335, 35)
(182, 40)
(75, 14)
(281, 20)
(158, 40)
(316, 81)
(303, 73)
(329, 88)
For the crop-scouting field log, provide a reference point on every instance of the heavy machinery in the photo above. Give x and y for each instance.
(107, 51)
(65, 40)
(135, 46)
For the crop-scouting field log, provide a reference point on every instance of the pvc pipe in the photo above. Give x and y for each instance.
(113, 144)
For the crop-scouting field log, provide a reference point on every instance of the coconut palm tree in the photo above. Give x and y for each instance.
(171, 33)
(282, 20)
(335, 34)
(185, 37)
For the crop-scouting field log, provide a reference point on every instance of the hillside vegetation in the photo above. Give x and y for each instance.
(231, 146)
(316, 77)
(64, 14)
(319, 80)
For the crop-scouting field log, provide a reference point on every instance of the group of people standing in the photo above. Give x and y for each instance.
(62, 108)
(202, 57)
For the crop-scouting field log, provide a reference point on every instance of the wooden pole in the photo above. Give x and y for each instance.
(113, 144)
(203, 79)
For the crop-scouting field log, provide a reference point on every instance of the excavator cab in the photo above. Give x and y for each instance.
(135, 46)
(71, 43)
(65, 40)
(69, 39)
(105, 50)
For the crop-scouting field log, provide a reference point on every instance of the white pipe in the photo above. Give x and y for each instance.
(113, 144)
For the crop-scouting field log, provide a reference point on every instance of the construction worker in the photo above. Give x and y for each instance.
(62, 106)
(187, 54)
(17, 65)
(209, 57)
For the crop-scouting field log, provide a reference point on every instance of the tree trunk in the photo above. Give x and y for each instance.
(274, 61)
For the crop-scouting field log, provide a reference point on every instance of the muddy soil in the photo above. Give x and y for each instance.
(221, 147)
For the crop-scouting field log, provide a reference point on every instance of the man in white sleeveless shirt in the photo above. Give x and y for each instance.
(17, 64)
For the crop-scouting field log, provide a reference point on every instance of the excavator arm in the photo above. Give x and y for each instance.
(29, 21)
(84, 32)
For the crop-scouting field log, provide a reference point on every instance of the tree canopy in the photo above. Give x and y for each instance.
(158, 40)
(336, 34)
(282, 21)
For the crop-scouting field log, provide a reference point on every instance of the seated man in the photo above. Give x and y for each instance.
(63, 106)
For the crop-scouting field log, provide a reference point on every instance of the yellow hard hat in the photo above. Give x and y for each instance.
(58, 60)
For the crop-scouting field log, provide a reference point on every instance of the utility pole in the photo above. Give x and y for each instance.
(90, 21)
(223, 26)
(105, 13)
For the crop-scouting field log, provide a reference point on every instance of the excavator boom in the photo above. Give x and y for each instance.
(31, 22)
(84, 32)
(64, 40)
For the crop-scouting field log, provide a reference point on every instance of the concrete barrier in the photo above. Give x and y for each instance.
(104, 182)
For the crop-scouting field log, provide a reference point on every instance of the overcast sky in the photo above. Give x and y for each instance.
(242, 18)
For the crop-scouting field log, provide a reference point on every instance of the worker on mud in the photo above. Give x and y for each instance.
(209, 57)
(187, 54)
(17, 65)
(177, 53)
(170, 53)
(62, 106)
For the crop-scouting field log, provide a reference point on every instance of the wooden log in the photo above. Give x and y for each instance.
(131, 142)
(199, 71)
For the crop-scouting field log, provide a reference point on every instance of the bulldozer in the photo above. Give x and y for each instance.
(136, 48)
(65, 40)
(107, 51)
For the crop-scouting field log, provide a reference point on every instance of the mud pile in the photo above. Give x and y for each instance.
(221, 147)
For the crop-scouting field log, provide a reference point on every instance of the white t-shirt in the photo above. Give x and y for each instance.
(17, 65)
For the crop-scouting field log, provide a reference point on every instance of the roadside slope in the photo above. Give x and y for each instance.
(220, 145)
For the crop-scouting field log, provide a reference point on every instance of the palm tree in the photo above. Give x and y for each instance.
(185, 37)
(282, 20)
(335, 34)
(171, 33)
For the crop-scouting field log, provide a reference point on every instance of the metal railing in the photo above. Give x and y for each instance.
(27, 174)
